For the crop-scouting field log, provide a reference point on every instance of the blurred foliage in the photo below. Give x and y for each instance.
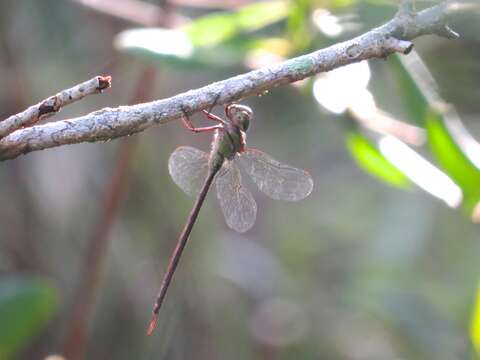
(212, 41)
(25, 306)
(298, 24)
(453, 160)
(369, 158)
(356, 271)
(475, 323)
(414, 99)
(213, 29)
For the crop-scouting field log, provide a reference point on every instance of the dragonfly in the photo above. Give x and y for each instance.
(194, 171)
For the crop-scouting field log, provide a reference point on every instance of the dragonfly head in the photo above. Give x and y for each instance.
(239, 115)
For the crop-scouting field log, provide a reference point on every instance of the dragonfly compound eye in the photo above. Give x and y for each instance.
(245, 121)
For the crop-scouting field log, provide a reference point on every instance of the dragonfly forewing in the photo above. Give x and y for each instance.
(237, 203)
(278, 181)
(188, 168)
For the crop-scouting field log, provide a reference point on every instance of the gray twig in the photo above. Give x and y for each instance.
(109, 123)
(53, 104)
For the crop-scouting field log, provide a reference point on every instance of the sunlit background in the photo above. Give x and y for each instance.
(381, 261)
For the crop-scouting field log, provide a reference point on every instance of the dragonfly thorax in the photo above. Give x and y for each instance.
(231, 139)
(226, 144)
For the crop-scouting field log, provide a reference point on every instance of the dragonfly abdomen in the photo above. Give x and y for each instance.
(216, 161)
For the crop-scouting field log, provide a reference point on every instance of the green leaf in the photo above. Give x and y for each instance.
(475, 323)
(213, 29)
(421, 97)
(25, 306)
(370, 159)
(219, 40)
(298, 24)
(452, 159)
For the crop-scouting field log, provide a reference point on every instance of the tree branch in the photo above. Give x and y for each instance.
(109, 123)
(53, 104)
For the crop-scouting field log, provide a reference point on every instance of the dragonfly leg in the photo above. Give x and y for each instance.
(188, 124)
(213, 117)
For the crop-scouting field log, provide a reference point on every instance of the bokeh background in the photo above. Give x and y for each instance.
(370, 266)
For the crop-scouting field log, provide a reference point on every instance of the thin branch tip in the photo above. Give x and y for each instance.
(104, 82)
(397, 45)
(448, 33)
(53, 104)
(407, 50)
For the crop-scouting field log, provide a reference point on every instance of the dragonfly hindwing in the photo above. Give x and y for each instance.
(277, 180)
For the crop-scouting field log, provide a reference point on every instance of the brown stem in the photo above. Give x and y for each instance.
(74, 346)
(20, 241)
(177, 252)
(76, 337)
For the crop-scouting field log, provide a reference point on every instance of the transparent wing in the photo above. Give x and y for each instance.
(237, 203)
(188, 168)
(277, 180)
